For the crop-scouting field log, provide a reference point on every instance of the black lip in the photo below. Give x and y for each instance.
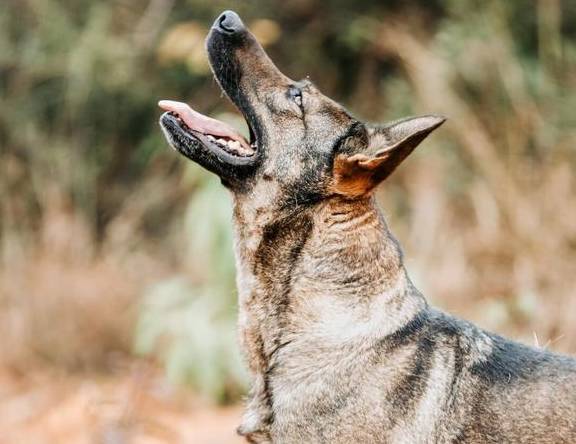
(197, 147)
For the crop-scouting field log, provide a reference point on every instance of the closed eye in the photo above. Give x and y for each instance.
(295, 94)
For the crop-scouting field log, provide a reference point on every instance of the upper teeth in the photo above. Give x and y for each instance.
(232, 145)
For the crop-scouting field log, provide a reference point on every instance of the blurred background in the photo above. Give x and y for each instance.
(117, 300)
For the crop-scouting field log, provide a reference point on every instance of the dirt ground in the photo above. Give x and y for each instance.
(135, 408)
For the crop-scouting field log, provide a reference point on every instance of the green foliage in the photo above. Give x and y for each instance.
(188, 321)
(188, 329)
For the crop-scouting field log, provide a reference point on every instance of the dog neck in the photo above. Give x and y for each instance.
(331, 272)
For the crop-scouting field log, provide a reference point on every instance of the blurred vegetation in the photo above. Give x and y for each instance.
(189, 322)
(109, 239)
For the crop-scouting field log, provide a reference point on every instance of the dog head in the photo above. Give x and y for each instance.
(302, 144)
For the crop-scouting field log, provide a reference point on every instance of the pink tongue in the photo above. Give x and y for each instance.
(202, 123)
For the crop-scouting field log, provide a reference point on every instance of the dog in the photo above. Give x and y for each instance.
(341, 345)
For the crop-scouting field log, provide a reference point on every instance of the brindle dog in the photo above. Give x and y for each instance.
(343, 348)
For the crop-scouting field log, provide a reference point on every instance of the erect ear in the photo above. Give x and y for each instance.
(357, 174)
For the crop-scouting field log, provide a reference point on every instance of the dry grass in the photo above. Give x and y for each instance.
(67, 306)
(65, 314)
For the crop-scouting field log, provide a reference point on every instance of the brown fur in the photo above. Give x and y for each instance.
(342, 346)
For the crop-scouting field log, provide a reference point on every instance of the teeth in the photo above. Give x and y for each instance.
(230, 145)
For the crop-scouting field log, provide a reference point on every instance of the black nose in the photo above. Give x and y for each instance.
(229, 22)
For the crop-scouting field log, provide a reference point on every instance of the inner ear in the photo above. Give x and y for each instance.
(354, 176)
(357, 174)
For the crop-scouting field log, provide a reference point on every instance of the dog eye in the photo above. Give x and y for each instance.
(295, 94)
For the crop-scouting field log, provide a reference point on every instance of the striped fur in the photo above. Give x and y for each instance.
(341, 345)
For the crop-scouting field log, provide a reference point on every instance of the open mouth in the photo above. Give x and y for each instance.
(188, 131)
(212, 143)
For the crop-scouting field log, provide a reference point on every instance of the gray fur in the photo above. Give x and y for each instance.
(342, 346)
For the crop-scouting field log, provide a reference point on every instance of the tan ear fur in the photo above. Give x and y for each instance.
(354, 176)
(358, 174)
